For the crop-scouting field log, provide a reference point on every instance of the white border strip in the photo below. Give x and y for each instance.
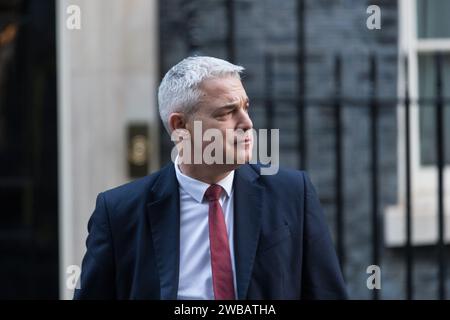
(64, 147)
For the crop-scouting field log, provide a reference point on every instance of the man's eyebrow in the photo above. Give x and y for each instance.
(229, 106)
(233, 104)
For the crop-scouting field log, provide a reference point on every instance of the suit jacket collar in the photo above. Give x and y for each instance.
(163, 213)
(248, 205)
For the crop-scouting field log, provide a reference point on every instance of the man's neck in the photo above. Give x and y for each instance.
(209, 174)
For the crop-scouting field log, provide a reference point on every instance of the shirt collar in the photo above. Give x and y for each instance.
(196, 188)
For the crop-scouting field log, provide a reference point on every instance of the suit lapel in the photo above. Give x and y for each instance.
(247, 224)
(164, 218)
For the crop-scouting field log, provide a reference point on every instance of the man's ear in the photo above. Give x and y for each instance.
(177, 121)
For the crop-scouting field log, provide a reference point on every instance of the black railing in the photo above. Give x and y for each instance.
(301, 76)
(339, 180)
(374, 101)
(374, 105)
(440, 167)
(408, 181)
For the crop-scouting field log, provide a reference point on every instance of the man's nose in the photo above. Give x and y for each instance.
(245, 123)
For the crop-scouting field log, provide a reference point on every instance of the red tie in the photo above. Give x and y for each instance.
(222, 273)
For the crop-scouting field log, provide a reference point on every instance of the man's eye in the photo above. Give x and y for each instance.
(223, 115)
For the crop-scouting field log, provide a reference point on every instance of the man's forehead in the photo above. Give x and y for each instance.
(237, 100)
(224, 100)
(228, 89)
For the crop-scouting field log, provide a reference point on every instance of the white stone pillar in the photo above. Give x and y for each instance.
(107, 79)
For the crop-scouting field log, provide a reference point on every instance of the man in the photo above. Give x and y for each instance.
(202, 230)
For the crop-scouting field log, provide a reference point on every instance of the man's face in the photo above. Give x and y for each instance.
(224, 106)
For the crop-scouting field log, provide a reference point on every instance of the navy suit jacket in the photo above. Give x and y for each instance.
(283, 249)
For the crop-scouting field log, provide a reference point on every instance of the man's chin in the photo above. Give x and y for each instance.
(242, 154)
(238, 161)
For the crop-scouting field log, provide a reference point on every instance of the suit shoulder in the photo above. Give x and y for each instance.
(286, 182)
(131, 191)
(286, 175)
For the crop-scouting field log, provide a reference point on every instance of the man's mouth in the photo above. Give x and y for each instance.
(246, 141)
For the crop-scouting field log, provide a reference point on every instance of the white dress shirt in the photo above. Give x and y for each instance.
(195, 277)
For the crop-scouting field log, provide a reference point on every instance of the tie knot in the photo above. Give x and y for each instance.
(213, 192)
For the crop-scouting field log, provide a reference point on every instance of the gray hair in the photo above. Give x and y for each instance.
(179, 89)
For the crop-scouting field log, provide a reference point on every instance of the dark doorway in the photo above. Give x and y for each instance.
(28, 150)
